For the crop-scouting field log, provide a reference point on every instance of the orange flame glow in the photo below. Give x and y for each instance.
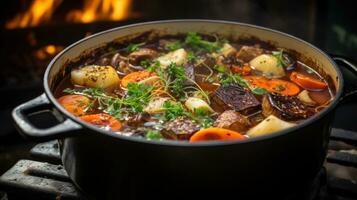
(41, 11)
(94, 10)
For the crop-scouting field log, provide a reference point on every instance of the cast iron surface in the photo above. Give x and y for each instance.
(133, 168)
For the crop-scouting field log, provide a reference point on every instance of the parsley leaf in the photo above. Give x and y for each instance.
(153, 135)
(280, 57)
(173, 110)
(138, 96)
(191, 56)
(177, 77)
(133, 47)
(259, 91)
(196, 42)
(172, 46)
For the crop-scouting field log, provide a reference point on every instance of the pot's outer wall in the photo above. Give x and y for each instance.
(112, 167)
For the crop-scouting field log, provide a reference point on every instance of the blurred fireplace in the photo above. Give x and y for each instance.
(33, 31)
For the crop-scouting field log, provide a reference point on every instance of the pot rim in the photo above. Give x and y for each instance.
(184, 143)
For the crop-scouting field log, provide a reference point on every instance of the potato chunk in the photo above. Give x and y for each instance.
(156, 105)
(179, 57)
(268, 65)
(194, 104)
(96, 76)
(268, 126)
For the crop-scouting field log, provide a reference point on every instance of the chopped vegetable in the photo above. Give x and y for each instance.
(269, 65)
(178, 57)
(135, 77)
(156, 105)
(96, 76)
(245, 69)
(75, 104)
(305, 98)
(227, 50)
(102, 120)
(193, 104)
(268, 126)
(273, 85)
(306, 82)
(209, 134)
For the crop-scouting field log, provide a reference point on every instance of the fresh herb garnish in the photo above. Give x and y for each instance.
(202, 118)
(173, 110)
(145, 63)
(196, 42)
(153, 135)
(231, 78)
(191, 57)
(172, 46)
(133, 47)
(259, 91)
(177, 77)
(280, 57)
(138, 96)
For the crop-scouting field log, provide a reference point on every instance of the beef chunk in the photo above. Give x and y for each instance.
(232, 120)
(285, 107)
(180, 129)
(234, 97)
(142, 54)
(247, 53)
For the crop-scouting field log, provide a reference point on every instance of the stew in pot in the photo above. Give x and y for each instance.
(194, 88)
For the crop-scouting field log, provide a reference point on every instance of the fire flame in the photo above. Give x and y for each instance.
(94, 10)
(41, 11)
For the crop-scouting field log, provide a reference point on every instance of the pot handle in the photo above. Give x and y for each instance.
(350, 88)
(349, 91)
(26, 128)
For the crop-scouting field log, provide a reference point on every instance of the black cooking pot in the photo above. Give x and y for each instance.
(111, 166)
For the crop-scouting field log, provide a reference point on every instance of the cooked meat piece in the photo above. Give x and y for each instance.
(142, 54)
(234, 97)
(232, 120)
(285, 107)
(137, 119)
(247, 53)
(180, 129)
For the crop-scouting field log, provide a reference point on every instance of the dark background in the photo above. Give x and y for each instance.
(329, 24)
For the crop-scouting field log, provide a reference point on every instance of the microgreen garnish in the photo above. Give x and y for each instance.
(280, 57)
(172, 46)
(153, 135)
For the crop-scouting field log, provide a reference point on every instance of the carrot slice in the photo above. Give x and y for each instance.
(209, 134)
(241, 70)
(135, 77)
(102, 120)
(306, 82)
(274, 85)
(75, 104)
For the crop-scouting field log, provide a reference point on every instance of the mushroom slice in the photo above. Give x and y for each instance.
(305, 98)
(285, 107)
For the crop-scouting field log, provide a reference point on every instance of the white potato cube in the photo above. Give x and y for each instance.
(179, 57)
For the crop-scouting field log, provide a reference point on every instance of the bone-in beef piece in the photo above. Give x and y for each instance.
(247, 53)
(285, 107)
(234, 97)
(180, 129)
(232, 120)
